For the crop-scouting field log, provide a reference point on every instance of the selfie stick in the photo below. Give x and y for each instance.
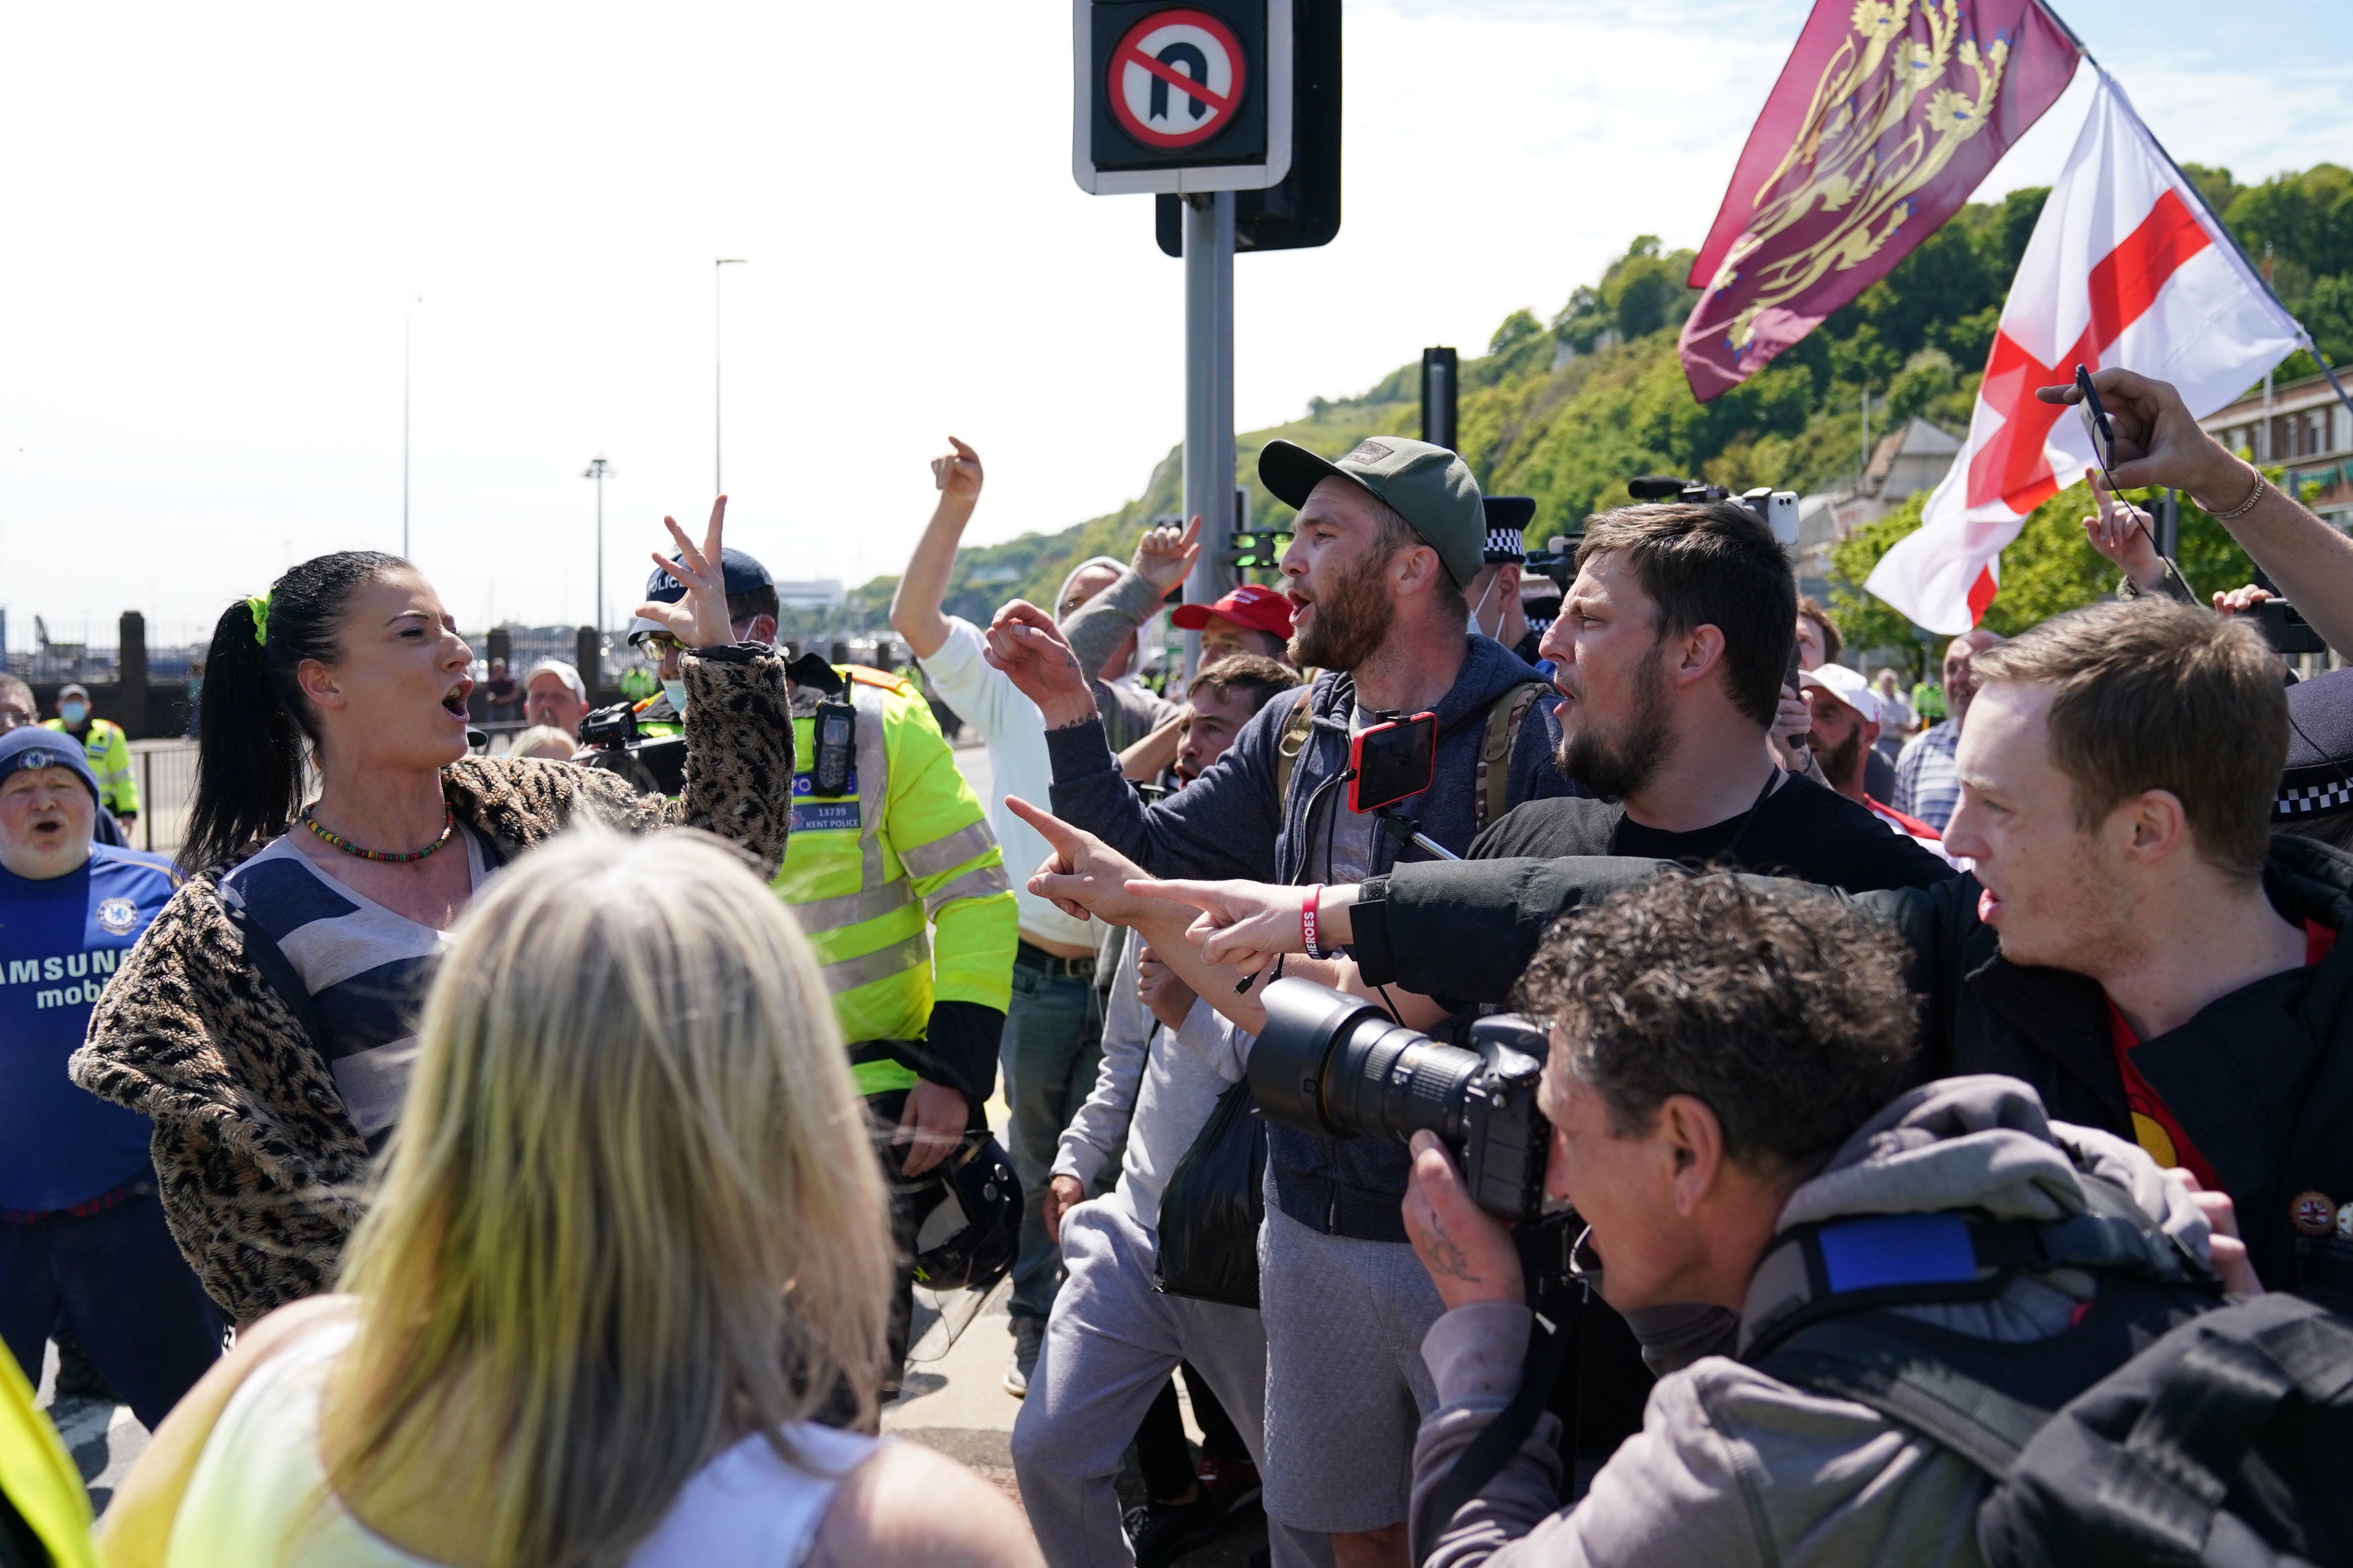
(1410, 830)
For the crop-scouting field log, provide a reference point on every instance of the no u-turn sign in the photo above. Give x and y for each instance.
(1176, 79)
(1182, 97)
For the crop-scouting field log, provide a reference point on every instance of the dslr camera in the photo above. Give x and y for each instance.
(1338, 1066)
(1776, 509)
(652, 763)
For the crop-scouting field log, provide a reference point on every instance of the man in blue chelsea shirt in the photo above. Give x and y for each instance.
(83, 1245)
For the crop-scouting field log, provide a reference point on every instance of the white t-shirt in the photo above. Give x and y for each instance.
(986, 698)
(260, 1476)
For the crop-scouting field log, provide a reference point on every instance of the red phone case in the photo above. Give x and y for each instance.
(1357, 756)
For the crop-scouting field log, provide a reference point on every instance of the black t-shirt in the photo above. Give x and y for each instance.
(1800, 830)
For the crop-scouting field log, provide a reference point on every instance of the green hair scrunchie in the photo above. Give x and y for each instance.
(259, 606)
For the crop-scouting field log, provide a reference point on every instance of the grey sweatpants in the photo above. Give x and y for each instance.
(1111, 1343)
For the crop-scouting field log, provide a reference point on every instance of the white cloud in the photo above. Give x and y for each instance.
(215, 216)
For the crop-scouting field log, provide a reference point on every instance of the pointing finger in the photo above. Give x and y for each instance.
(1066, 839)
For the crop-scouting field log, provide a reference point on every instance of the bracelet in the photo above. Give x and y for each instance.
(1308, 921)
(2245, 506)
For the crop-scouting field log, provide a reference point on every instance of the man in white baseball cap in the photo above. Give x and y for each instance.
(1846, 713)
(554, 695)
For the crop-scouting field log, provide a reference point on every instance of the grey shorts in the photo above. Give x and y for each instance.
(1346, 1385)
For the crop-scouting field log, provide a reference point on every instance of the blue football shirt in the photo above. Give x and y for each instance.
(60, 941)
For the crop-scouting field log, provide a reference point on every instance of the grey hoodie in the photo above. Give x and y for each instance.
(1734, 1468)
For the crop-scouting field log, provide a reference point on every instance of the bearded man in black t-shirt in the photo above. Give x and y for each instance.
(1669, 654)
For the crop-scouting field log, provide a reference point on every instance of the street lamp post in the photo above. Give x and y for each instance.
(596, 470)
(718, 483)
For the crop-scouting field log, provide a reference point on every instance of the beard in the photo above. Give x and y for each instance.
(1351, 619)
(1839, 765)
(1615, 767)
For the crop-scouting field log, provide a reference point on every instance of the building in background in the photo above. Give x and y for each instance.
(2300, 427)
(815, 594)
(1903, 463)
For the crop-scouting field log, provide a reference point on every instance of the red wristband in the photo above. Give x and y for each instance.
(1307, 920)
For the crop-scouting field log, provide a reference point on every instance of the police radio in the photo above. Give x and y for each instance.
(836, 745)
(835, 726)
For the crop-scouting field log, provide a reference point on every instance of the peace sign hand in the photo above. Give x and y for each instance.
(700, 620)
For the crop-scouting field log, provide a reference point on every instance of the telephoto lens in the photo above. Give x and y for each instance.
(1338, 1066)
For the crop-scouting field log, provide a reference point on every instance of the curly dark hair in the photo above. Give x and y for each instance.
(1787, 1016)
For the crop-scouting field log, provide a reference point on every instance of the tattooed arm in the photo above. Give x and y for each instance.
(1468, 1252)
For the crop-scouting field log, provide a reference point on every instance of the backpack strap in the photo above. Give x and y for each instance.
(1290, 744)
(1843, 1267)
(2217, 1400)
(1491, 793)
(1860, 1359)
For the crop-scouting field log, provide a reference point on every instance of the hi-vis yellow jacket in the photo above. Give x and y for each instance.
(109, 755)
(39, 1476)
(906, 847)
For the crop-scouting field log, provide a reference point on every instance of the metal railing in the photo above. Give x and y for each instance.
(166, 772)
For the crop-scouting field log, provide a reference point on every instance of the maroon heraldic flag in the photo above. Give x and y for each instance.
(1886, 117)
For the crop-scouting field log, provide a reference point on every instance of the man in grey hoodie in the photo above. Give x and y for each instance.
(1720, 1069)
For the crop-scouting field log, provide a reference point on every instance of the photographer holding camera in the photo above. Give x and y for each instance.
(1387, 538)
(1718, 1086)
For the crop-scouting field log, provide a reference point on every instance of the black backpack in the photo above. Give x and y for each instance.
(2162, 1426)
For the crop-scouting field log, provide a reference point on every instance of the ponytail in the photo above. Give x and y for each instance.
(254, 728)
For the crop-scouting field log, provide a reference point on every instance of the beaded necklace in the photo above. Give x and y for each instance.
(449, 831)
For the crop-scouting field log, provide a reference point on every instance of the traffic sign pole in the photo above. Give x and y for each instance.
(1208, 398)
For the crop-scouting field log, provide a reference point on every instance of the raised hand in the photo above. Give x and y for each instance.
(2158, 442)
(1025, 643)
(957, 473)
(1164, 555)
(1086, 876)
(2239, 600)
(2121, 532)
(699, 620)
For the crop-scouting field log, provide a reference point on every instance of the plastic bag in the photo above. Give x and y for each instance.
(1215, 1201)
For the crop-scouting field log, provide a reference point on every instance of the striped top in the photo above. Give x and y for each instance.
(365, 968)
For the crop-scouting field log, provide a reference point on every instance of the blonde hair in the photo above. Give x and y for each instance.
(528, 743)
(631, 1213)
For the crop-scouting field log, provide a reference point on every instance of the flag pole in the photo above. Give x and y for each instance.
(2303, 336)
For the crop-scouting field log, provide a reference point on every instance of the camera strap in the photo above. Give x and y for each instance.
(1557, 1299)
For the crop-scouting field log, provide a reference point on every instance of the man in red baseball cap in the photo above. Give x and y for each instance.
(1250, 619)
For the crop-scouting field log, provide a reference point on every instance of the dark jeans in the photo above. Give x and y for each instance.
(1162, 1452)
(116, 1281)
(1052, 1045)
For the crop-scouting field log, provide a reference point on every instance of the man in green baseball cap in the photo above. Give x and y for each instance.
(1386, 537)
(1392, 525)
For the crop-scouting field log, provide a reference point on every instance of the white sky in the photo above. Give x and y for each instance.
(214, 216)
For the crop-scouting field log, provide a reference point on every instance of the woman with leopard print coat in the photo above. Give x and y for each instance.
(265, 1022)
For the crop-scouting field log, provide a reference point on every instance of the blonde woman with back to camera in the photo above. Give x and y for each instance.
(630, 1235)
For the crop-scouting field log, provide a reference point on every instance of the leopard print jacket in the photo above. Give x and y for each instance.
(261, 1172)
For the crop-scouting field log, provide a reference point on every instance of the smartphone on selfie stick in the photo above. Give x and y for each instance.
(1393, 761)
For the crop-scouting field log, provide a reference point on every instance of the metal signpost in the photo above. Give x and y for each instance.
(1195, 100)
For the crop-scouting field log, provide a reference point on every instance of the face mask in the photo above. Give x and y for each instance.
(72, 712)
(676, 691)
(1481, 604)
